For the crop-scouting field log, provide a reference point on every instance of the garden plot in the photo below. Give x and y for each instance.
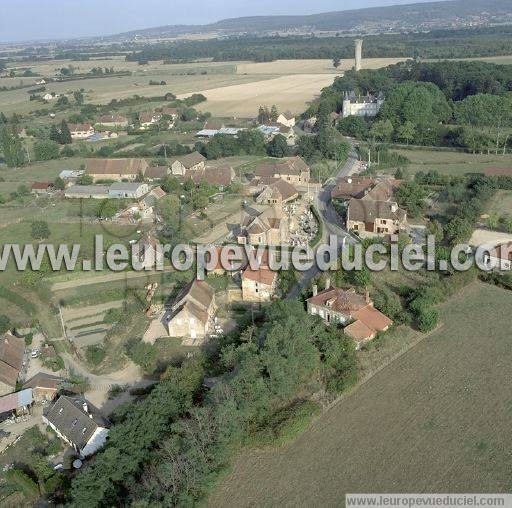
(87, 326)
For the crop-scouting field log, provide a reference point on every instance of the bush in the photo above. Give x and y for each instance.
(5, 323)
(284, 425)
(95, 355)
(427, 319)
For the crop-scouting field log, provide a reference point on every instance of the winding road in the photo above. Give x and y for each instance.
(331, 221)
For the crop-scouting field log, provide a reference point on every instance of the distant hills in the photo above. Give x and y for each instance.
(411, 17)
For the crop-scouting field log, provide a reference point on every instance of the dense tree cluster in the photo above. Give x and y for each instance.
(166, 450)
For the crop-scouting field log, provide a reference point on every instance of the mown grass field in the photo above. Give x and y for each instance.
(436, 420)
(452, 163)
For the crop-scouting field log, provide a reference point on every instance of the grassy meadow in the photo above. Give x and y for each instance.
(452, 163)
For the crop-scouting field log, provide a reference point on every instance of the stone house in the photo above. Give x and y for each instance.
(192, 313)
(78, 424)
(12, 351)
(354, 311)
(44, 386)
(278, 193)
(258, 285)
(271, 227)
(293, 170)
(191, 162)
(115, 169)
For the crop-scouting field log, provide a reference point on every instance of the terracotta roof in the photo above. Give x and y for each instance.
(16, 400)
(262, 275)
(191, 159)
(220, 176)
(502, 251)
(115, 166)
(41, 185)
(373, 318)
(12, 350)
(340, 300)
(359, 331)
(214, 125)
(157, 171)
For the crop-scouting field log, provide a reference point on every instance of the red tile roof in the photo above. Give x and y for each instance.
(262, 275)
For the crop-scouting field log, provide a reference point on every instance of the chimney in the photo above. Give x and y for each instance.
(394, 207)
(327, 283)
(349, 180)
(85, 407)
(315, 290)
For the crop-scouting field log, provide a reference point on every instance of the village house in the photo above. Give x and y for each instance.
(499, 258)
(191, 162)
(147, 119)
(78, 424)
(70, 176)
(286, 119)
(376, 217)
(278, 193)
(361, 105)
(147, 252)
(352, 187)
(87, 192)
(113, 121)
(81, 130)
(151, 199)
(293, 170)
(41, 188)
(192, 313)
(128, 190)
(220, 176)
(371, 207)
(271, 227)
(115, 169)
(258, 285)
(270, 131)
(173, 113)
(157, 172)
(16, 404)
(12, 351)
(354, 311)
(45, 387)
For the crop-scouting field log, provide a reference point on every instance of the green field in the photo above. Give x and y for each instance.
(501, 203)
(436, 420)
(452, 163)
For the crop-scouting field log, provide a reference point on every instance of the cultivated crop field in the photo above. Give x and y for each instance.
(436, 420)
(453, 163)
(292, 83)
(289, 93)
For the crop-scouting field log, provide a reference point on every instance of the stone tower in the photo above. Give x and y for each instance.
(359, 53)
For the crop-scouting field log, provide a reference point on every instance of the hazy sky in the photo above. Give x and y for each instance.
(56, 19)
